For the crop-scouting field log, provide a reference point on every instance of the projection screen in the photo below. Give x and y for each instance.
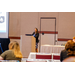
(4, 24)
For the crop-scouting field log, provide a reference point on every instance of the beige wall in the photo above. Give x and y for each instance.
(14, 24)
(66, 26)
(21, 23)
(29, 20)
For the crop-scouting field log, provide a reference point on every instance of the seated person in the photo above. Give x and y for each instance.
(64, 53)
(69, 59)
(74, 39)
(69, 50)
(13, 53)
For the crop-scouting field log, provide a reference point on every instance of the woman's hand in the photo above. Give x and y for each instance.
(1, 58)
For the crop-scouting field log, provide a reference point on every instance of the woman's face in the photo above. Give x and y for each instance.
(73, 40)
(35, 30)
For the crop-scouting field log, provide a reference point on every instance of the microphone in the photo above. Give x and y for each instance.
(42, 33)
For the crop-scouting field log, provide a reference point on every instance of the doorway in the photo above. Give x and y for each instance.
(48, 31)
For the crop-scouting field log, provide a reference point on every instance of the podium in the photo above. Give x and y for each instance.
(33, 44)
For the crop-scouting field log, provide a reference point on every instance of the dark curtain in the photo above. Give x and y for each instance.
(4, 44)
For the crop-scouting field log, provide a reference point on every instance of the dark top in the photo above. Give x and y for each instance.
(9, 55)
(36, 36)
(63, 55)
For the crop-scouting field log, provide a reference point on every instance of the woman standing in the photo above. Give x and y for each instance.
(36, 35)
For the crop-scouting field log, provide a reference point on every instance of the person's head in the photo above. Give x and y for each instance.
(10, 45)
(74, 39)
(70, 47)
(36, 30)
(16, 48)
(68, 44)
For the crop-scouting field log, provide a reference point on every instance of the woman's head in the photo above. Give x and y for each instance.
(10, 45)
(36, 30)
(70, 47)
(16, 48)
(13, 45)
(74, 39)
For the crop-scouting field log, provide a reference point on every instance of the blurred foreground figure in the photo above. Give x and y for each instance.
(69, 50)
(69, 59)
(74, 39)
(13, 53)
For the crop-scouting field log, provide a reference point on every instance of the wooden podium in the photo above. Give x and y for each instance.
(33, 44)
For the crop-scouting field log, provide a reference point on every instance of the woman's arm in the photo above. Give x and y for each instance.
(33, 33)
(3, 55)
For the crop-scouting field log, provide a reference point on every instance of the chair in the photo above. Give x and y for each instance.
(56, 56)
(43, 56)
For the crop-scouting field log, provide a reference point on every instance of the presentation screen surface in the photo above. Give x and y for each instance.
(4, 24)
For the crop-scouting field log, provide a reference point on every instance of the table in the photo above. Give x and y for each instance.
(51, 48)
(9, 61)
(34, 60)
(32, 55)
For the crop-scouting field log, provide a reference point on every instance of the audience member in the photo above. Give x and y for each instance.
(69, 59)
(74, 39)
(69, 50)
(13, 53)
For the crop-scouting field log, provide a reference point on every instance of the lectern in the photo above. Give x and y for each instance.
(33, 44)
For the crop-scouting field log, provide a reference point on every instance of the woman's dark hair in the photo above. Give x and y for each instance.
(37, 30)
(70, 47)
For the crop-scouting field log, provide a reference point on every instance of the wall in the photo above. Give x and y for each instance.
(29, 20)
(14, 24)
(66, 28)
(21, 23)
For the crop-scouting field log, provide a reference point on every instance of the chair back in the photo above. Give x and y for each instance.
(56, 56)
(43, 56)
